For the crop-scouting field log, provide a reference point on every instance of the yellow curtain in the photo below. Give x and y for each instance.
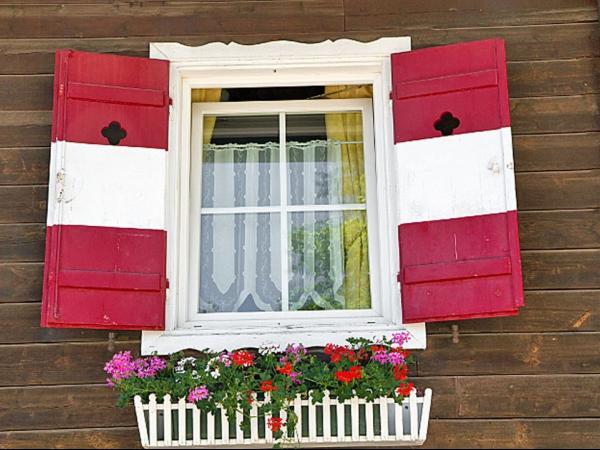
(204, 96)
(347, 127)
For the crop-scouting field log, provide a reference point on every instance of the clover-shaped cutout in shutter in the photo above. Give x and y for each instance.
(446, 124)
(114, 133)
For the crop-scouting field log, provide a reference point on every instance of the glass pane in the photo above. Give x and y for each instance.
(240, 263)
(240, 161)
(328, 260)
(326, 158)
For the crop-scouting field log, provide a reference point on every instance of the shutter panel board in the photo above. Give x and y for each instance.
(458, 231)
(106, 241)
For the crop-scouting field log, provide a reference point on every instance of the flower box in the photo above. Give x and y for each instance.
(382, 422)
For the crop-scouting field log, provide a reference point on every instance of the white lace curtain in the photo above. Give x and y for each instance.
(241, 253)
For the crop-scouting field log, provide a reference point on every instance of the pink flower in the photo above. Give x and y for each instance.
(147, 368)
(120, 367)
(399, 339)
(197, 394)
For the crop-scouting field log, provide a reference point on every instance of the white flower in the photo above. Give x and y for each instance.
(182, 363)
(268, 349)
(215, 373)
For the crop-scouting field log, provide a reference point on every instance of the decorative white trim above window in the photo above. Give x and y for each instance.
(281, 63)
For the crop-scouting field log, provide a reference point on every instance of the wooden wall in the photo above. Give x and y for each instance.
(529, 381)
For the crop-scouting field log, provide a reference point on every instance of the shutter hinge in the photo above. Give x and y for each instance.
(60, 185)
(167, 284)
(61, 89)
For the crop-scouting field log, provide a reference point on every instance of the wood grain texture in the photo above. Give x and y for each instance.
(569, 151)
(513, 433)
(52, 407)
(558, 190)
(494, 397)
(21, 325)
(510, 354)
(21, 282)
(23, 204)
(54, 364)
(22, 243)
(382, 14)
(545, 311)
(546, 230)
(561, 269)
(113, 438)
(84, 21)
(24, 165)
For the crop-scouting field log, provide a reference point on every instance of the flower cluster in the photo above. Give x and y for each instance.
(273, 377)
(123, 366)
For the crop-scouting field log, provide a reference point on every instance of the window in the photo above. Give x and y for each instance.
(279, 209)
(285, 203)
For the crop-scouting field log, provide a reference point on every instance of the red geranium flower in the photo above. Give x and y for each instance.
(275, 424)
(242, 358)
(346, 376)
(404, 389)
(286, 369)
(400, 372)
(267, 386)
(337, 352)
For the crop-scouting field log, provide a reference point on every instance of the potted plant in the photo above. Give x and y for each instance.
(354, 393)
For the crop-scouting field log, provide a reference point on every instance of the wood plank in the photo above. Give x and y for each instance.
(561, 269)
(513, 433)
(570, 151)
(381, 14)
(24, 165)
(546, 78)
(21, 282)
(542, 42)
(526, 396)
(524, 43)
(51, 407)
(510, 354)
(545, 230)
(544, 311)
(21, 204)
(54, 364)
(443, 433)
(558, 190)
(34, 92)
(140, 19)
(110, 438)
(22, 243)
(25, 129)
(568, 114)
(21, 325)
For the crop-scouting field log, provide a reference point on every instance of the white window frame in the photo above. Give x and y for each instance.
(280, 63)
(188, 317)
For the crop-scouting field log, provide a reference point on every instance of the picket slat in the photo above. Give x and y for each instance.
(151, 438)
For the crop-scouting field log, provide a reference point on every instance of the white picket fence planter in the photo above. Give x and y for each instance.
(382, 422)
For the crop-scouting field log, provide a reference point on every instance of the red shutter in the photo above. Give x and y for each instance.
(458, 235)
(106, 239)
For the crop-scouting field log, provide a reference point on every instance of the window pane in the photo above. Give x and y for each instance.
(326, 158)
(328, 261)
(240, 161)
(240, 263)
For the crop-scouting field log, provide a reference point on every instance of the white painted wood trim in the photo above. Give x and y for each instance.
(414, 409)
(275, 51)
(107, 186)
(281, 63)
(456, 176)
